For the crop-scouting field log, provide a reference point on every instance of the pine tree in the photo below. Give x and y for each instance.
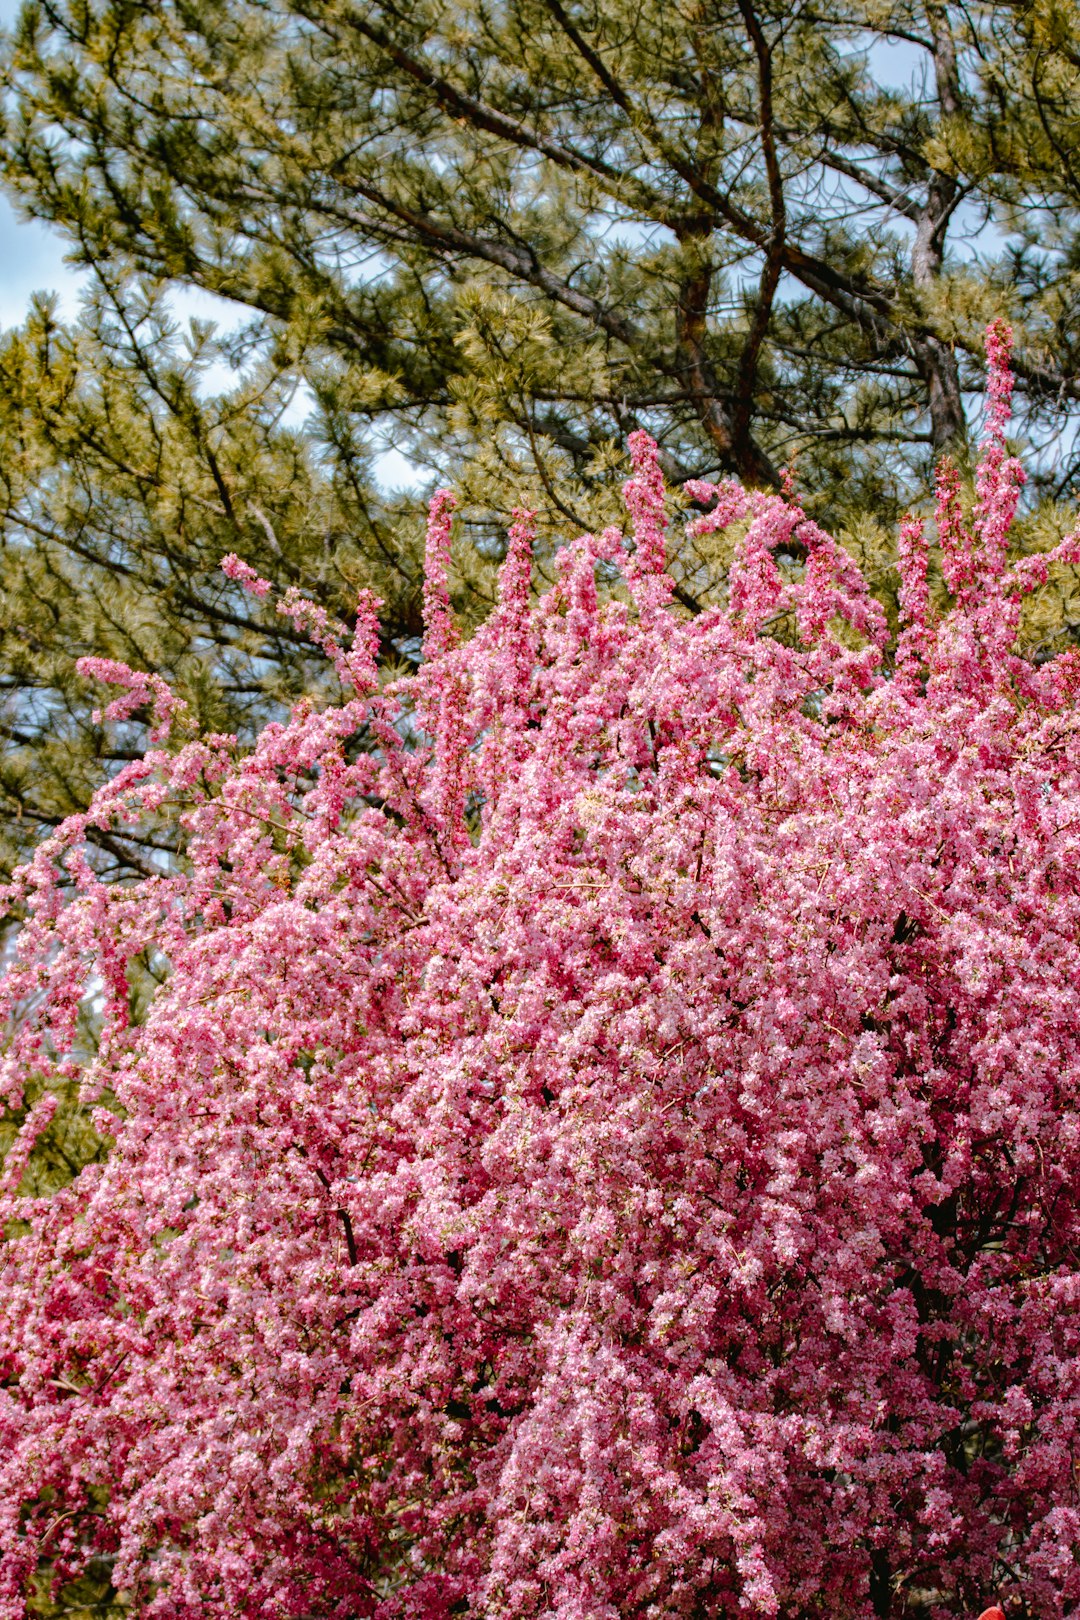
(498, 240)
(124, 480)
(512, 234)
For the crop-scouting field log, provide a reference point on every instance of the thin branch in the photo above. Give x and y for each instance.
(746, 374)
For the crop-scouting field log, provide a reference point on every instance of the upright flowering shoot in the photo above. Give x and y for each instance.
(604, 1139)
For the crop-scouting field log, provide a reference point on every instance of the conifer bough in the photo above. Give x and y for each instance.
(611, 1150)
(517, 233)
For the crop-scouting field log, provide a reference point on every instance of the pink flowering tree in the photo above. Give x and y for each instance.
(605, 1138)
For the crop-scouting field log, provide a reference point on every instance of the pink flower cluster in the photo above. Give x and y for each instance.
(606, 1140)
(235, 568)
(139, 691)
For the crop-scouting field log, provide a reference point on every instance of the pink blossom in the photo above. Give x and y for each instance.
(439, 632)
(234, 567)
(644, 497)
(140, 691)
(606, 1137)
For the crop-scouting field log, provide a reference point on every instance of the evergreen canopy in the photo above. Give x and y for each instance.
(521, 230)
(497, 238)
(123, 482)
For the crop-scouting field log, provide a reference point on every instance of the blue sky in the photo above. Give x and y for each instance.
(31, 260)
(31, 255)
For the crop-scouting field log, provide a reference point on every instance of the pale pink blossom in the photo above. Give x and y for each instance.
(234, 568)
(141, 690)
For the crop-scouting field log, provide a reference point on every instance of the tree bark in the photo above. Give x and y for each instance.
(934, 357)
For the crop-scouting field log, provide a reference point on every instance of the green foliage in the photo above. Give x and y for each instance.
(497, 239)
(91, 1597)
(123, 482)
(508, 235)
